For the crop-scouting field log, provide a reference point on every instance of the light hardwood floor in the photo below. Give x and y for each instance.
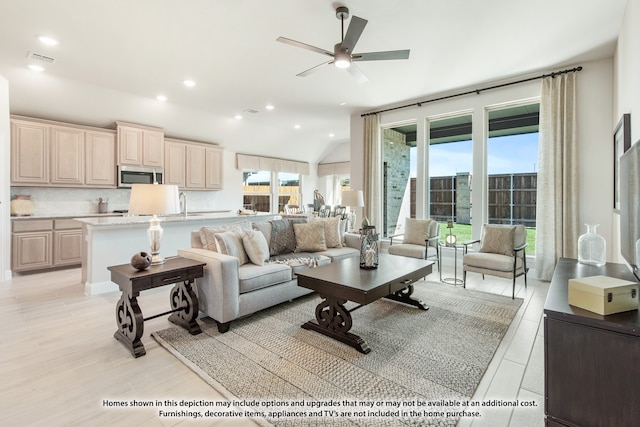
(59, 361)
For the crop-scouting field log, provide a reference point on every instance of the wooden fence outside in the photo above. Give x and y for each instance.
(512, 198)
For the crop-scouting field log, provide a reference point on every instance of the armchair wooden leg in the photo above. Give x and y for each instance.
(223, 327)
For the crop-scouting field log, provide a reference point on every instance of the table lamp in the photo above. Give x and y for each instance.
(352, 199)
(451, 238)
(154, 199)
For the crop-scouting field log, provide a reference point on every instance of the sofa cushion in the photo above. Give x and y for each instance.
(230, 243)
(256, 247)
(497, 239)
(207, 233)
(309, 237)
(265, 228)
(252, 277)
(332, 231)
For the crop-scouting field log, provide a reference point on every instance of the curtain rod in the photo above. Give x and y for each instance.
(477, 91)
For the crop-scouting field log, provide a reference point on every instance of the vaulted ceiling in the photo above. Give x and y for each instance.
(115, 56)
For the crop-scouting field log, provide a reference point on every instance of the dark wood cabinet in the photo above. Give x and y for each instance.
(592, 362)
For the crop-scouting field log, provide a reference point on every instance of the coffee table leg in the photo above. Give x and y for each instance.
(335, 321)
(130, 324)
(184, 299)
(404, 295)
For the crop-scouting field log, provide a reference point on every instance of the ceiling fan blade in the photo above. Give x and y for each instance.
(381, 56)
(357, 74)
(356, 26)
(312, 69)
(304, 46)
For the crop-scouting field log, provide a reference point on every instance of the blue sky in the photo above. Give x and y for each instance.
(506, 154)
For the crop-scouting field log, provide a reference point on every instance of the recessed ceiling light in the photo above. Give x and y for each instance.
(331, 135)
(161, 98)
(189, 83)
(37, 68)
(343, 103)
(49, 41)
(296, 126)
(269, 107)
(238, 117)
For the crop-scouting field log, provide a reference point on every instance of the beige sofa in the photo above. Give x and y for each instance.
(233, 288)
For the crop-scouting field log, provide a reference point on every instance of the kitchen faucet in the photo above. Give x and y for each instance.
(183, 204)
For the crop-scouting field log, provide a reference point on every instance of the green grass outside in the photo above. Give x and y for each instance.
(463, 234)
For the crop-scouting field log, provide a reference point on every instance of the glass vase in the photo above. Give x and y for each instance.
(592, 247)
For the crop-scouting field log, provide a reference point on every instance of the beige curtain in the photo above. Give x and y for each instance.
(557, 224)
(372, 166)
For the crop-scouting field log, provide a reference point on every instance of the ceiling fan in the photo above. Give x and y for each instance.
(342, 55)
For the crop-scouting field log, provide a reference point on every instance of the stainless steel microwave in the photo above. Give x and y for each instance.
(128, 175)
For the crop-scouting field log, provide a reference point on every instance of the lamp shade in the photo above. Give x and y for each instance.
(352, 198)
(154, 199)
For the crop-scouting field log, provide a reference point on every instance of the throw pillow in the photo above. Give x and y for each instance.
(497, 239)
(207, 234)
(310, 237)
(283, 239)
(416, 231)
(230, 243)
(332, 233)
(256, 246)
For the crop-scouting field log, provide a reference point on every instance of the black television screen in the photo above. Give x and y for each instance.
(630, 206)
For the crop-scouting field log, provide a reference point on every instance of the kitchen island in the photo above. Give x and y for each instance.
(113, 240)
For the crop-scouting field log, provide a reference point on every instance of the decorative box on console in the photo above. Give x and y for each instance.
(603, 295)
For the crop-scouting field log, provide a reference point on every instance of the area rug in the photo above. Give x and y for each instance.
(423, 368)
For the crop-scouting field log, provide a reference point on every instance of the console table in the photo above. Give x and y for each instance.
(592, 362)
(183, 299)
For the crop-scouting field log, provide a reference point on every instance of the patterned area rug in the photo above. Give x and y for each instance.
(422, 368)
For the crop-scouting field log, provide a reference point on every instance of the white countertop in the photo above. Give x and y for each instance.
(106, 221)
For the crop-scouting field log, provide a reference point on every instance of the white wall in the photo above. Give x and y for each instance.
(626, 88)
(5, 222)
(594, 99)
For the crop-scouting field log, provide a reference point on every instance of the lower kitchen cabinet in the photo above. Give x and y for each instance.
(45, 243)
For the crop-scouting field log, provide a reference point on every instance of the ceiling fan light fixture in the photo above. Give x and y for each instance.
(342, 60)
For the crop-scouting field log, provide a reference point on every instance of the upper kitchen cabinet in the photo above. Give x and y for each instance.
(48, 153)
(29, 153)
(140, 145)
(67, 156)
(192, 165)
(215, 164)
(100, 159)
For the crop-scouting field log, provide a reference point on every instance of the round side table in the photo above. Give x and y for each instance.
(450, 280)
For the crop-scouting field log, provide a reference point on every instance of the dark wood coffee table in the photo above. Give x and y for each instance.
(343, 281)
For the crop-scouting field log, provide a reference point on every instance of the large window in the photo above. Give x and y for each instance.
(512, 155)
(256, 190)
(288, 190)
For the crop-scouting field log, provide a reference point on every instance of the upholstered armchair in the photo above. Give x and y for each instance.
(501, 253)
(419, 240)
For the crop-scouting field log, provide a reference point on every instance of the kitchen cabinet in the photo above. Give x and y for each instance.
(196, 167)
(140, 145)
(100, 159)
(214, 168)
(67, 155)
(175, 163)
(32, 245)
(192, 165)
(29, 153)
(47, 153)
(45, 243)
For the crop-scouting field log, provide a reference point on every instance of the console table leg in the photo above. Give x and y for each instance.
(130, 324)
(184, 299)
(404, 296)
(335, 321)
